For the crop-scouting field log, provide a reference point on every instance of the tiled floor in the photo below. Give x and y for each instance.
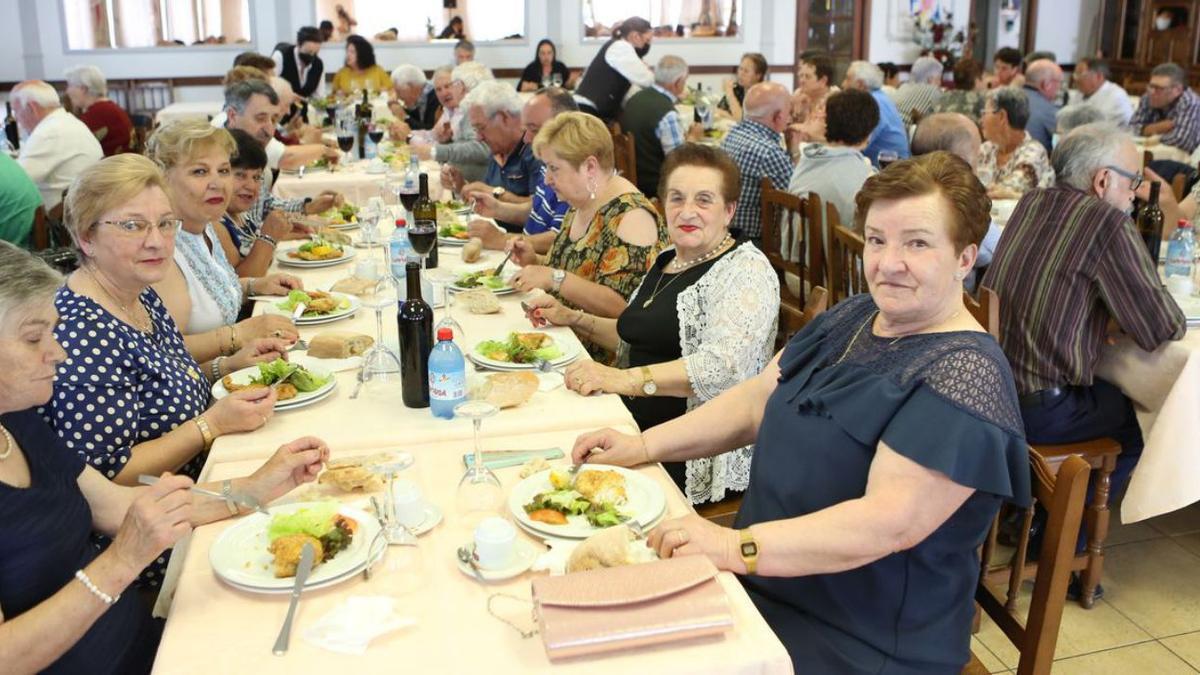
(1149, 618)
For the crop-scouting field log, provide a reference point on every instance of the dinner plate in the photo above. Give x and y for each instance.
(570, 352)
(451, 241)
(503, 290)
(344, 226)
(316, 319)
(240, 557)
(524, 554)
(646, 503)
(281, 256)
(300, 400)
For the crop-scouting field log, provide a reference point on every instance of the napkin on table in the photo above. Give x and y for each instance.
(350, 627)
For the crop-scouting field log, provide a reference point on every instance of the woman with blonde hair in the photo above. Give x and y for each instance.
(610, 235)
(132, 395)
(202, 290)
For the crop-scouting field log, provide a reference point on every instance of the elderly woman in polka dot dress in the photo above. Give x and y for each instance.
(130, 397)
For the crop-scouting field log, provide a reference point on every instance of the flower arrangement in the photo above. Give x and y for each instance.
(935, 33)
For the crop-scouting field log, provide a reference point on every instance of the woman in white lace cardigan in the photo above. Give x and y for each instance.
(702, 321)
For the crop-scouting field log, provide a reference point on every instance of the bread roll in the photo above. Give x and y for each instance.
(354, 286)
(479, 301)
(338, 345)
(606, 548)
(472, 250)
(509, 390)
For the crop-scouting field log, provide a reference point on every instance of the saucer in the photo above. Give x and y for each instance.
(524, 553)
(433, 516)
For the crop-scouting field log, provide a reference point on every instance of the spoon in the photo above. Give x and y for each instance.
(467, 556)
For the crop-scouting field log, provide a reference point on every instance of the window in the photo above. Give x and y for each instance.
(423, 20)
(104, 24)
(679, 18)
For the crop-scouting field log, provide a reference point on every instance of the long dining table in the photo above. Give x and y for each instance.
(456, 623)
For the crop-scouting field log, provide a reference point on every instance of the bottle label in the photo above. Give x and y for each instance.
(448, 386)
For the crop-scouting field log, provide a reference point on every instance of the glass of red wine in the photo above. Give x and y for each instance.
(375, 133)
(407, 194)
(886, 157)
(345, 138)
(423, 237)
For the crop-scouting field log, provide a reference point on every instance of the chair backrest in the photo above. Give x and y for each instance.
(1062, 498)
(986, 310)
(150, 97)
(846, 275)
(624, 159)
(791, 239)
(792, 319)
(40, 233)
(1178, 184)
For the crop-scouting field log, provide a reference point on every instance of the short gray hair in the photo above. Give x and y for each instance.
(670, 69)
(26, 280)
(925, 69)
(446, 70)
(866, 72)
(408, 74)
(1012, 101)
(1077, 115)
(471, 74)
(1085, 151)
(561, 100)
(238, 94)
(35, 91)
(88, 77)
(494, 97)
(1171, 70)
(947, 131)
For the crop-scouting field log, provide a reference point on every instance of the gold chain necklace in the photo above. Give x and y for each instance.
(871, 318)
(9, 443)
(679, 272)
(124, 308)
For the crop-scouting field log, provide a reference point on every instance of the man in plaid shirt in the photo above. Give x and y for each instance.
(756, 146)
(1170, 109)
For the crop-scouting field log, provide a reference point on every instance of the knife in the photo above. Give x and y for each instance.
(285, 632)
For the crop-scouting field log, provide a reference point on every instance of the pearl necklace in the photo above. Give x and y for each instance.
(9, 443)
(681, 266)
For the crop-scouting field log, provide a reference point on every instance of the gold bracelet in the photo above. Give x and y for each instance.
(205, 431)
(232, 342)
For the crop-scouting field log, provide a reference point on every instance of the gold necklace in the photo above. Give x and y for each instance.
(9, 443)
(124, 308)
(870, 319)
(679, 272)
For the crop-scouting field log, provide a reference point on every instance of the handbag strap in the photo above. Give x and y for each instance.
(525, 634)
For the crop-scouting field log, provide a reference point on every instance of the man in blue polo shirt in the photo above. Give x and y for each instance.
(543, 213)
(890, 133)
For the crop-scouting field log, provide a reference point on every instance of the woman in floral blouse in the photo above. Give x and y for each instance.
(609, 237)
(1010, 162)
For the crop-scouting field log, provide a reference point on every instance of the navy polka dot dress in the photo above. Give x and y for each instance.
(120, 387)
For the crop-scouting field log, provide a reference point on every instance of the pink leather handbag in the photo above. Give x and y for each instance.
(617, 608)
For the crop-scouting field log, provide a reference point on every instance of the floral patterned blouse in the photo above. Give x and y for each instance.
(602, 257)
(1027, 168)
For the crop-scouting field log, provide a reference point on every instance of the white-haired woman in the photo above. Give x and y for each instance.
(416, 105)
(88, 91)
(458, 143)
(1011, 162)
(64, 605)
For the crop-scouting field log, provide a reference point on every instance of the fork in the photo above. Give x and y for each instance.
(301, 345)
(544, 366)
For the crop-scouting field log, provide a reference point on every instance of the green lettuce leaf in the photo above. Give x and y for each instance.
(315, 521)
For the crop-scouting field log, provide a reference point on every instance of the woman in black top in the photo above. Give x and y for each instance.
(751, 70)
(545, 66)
(703, 319)
(63, 603)
(453, 30)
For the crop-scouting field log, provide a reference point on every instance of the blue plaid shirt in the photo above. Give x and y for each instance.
(757, 151)
(1184, 111)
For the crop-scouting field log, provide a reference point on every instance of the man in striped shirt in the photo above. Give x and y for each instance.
(1169, 108)
(1069, 268)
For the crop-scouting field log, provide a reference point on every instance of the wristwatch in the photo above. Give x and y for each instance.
(556, 278)
(497, 192)
(749, 550)
(649, 388)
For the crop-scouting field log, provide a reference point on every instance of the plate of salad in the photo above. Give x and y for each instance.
(453, 234)
(522, 351)
(319, 306)
(314, 253)
(297, 385)
(344, 217)
(550, 503)
(468, 281)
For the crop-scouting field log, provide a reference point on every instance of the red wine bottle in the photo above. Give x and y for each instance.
(425, 215)
(415, 320)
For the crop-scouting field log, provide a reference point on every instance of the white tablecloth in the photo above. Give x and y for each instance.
(353, 181)
(204, 110)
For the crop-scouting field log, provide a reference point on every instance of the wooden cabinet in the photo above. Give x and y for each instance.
(1136, 35)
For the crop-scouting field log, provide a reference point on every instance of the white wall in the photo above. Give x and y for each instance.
(1067, 28)
(891, 29)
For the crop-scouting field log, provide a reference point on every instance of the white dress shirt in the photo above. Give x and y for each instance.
(301, 68)
(624, 59)
(58, 150)
(1113, 101)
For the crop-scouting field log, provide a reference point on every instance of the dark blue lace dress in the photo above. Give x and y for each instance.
(945, 401)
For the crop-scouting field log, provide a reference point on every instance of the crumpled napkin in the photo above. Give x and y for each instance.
(350, 627)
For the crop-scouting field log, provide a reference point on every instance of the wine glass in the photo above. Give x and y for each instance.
(479, 493)
(375, 133)
(393, 531)
(556, 79)
(381, 365)
(441, 279)
(423, 236)
(368, 223)
(345, 137)
(886, 157)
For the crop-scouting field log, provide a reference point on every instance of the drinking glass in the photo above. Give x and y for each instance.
(381, 365)
(423, 237)
(345, 137)
(442, 279)
(886, 157)
(556, 79)
(368, 223)
(479, 493)
(393, 531)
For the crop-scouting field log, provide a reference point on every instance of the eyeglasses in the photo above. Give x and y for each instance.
(138, 227)
(1135, 179)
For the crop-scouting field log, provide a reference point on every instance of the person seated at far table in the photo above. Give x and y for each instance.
(890, 134)
(416, 105)
(1043, 81)
(1170, 109)
(1011, 162)
(19, 200)
(651, 117)
(837, 169)
(751, 70)
(361, 72)
(609, 236)
(66, 606)
(681, 344)
(87, 89)
(921, 93)
(464, 52)
(249, 246)
(56, 146)
(456, 143)
(540, 72)
(755, 145)
(543, 213)
(967, 95)
(886, 434)
(1093, 79)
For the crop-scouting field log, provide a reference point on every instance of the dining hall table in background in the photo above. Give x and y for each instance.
(357, 182)
(202, 110)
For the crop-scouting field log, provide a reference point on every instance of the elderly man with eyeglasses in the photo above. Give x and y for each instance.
(1169, 109)
(1071, 272)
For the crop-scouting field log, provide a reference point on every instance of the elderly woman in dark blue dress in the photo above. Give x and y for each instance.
(64, 605)
(886, 434)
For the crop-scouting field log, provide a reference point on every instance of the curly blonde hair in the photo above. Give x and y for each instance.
(575, 136)
(177, 142)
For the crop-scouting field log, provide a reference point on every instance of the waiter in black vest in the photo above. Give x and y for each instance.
(299, 63)
(618, 65)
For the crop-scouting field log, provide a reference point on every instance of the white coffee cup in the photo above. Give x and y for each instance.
(495, 539)
(409, 503)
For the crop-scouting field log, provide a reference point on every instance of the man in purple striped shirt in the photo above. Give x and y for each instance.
(1069, 268)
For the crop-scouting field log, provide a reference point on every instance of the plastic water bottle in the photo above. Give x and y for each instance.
(1180, 250)
(447, 375)
(399, 250)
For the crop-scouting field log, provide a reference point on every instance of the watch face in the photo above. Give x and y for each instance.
(749, 549)
(649, 388)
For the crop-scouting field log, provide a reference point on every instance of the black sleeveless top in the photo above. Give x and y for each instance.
(292, 74)
(603, 85)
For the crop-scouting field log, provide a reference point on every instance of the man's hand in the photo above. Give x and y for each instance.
(323, 202)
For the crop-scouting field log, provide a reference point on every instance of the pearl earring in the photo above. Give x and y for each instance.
(958, 276)
(591, 189)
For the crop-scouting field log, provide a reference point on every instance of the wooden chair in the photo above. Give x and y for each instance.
(846, 275)
(624, 159)
(1178, 184)
(1100, 454)
(1062, 497)
(788, 224)
(39, 236)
